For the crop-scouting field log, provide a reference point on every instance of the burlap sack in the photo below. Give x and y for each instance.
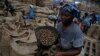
(41, 15)
(96, 34)
(91, 30)
(24, 46)
(23, 49)
(44, 10)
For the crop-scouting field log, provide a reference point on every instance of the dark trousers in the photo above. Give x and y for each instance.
(85, 29)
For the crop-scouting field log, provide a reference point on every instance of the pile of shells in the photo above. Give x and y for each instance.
(47, 35)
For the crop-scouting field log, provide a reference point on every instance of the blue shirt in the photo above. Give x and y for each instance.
(71, 37)
(98, 17)
(87, 21)
(31, 13)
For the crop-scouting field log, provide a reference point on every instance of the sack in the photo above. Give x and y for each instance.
(23, 49)
(24, 45)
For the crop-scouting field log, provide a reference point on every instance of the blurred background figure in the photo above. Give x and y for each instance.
(85, 15)
(9, 8)
(93, 20)
(31, 12)
(12, 9)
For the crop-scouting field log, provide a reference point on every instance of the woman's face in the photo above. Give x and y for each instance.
(66, 18)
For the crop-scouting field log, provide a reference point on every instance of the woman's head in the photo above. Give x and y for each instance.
(66, 18)
(86, 14)
(31, 6)
(67, 13)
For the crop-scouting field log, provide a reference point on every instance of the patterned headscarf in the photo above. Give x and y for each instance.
(72, 9)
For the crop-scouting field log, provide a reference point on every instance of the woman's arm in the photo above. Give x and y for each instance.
(72, 52)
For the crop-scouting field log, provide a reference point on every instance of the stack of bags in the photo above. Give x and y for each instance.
(21, 39)
(42, 14)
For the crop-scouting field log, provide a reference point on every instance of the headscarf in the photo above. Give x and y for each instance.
(71, 9)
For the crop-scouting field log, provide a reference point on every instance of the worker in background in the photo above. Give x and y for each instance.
(31, 12)
(6, 3)
(94, 18)
(71, 39)
(9, 8)
(98, 19)
(12, 9)
(86, 22)
(85, 15)
(6, 8)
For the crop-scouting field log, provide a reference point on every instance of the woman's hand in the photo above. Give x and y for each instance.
(58, 54)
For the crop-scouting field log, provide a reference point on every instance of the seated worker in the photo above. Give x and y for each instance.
(71, 39)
